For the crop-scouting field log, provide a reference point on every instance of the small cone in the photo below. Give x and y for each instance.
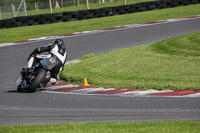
(85, 82)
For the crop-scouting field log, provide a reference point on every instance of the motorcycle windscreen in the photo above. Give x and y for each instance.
(48, 63)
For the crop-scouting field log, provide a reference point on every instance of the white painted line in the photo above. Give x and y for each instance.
(83, 91)
(192, 95)
(134, 25)
(72, 62)
(140, 93)
(108, 89)
(88, 90)
(7, 44)
(70, 93)
(95, 31)
(136, 93)
(85, 32)
(77, 33)
(58, 87)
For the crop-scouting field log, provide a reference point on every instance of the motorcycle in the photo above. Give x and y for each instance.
(30, 81)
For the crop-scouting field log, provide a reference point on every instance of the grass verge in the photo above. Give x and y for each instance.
(168, 64)
(28, 32)
(118, 127)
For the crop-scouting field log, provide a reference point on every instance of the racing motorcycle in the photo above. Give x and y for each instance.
(30, 81)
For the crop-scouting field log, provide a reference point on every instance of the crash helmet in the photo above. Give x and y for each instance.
(59, 42)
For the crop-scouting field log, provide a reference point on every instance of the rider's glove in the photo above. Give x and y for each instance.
(37, 50)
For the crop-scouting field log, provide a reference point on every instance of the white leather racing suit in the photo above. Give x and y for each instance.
(58, 52)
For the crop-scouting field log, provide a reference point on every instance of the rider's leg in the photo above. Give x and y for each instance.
(54, 77)
(52, 80)
(54, 72)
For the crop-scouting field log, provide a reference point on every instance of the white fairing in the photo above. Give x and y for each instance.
(55, 52)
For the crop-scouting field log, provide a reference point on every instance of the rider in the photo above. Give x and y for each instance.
(57, 51)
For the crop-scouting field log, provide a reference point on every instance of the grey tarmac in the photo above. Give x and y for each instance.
(47, 108)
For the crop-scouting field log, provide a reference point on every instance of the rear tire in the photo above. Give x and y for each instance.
(39, 78)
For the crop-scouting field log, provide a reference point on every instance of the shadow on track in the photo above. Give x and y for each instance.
(12, 91)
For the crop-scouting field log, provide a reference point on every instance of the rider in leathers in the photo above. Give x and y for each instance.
(57, 51)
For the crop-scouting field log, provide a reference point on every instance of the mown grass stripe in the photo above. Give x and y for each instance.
(115, 127)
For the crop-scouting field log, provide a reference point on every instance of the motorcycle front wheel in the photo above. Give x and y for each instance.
(39, 78)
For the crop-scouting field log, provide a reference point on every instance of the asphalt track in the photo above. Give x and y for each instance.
(46, 108)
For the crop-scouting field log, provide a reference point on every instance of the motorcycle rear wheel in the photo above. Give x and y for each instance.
(39, 78)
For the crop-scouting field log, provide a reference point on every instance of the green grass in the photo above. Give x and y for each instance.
(168, 64)
(117, 127)
(73, 8)
(28, 32)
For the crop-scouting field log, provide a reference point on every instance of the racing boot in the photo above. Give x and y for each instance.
(53, 81)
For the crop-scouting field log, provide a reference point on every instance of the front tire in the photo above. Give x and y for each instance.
(19, 89)
(39, 78)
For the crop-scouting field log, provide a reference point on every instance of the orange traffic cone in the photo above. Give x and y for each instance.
(85, 82)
